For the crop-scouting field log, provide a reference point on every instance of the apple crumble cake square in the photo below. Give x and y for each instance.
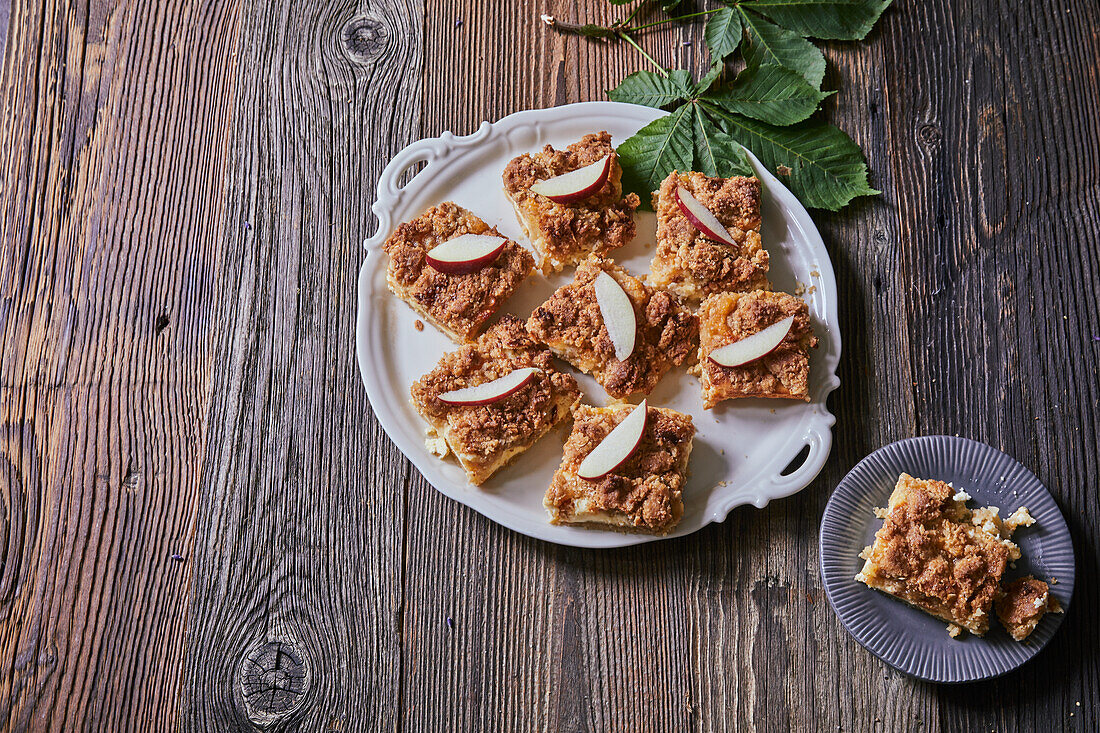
(662, 333)
(486, 431)
(783, 372)
(1024, 603)
(457, 303)
(939, 556)
(694, 265)
(644, 493)
(565, 233)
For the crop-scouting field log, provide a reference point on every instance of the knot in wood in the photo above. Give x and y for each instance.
(929, 134)
(365, 38)
(273, 680)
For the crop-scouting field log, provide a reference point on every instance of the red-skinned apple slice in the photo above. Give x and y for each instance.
(618, 314)
(753, 347)
(616, 447)
(575, 185)
(466, 253)
(702, 218)
(498, 389)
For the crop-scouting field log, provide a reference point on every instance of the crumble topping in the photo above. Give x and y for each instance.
(480, 434)
(566, 233)
(937, 555)
(784, 373)
(458, 305)
(571, 324)
(1025, 602)
(693, 265)
(644, 494)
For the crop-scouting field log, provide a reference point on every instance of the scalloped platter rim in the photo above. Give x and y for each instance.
(744, 453)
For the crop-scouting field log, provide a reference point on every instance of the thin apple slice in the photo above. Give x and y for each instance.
(575, 185)
(702, 218)
(466, 253)
(498, 389)
(753, 347)
(618, 314)
(616, 447)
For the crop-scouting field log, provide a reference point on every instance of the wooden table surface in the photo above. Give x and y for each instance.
(204, 528)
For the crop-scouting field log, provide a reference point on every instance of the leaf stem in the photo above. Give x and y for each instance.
(663, 71)
(656, 23)
(630, 17)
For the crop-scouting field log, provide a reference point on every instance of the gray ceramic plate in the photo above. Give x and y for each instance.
(904, 637)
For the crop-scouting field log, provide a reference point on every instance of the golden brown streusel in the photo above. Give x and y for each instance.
(571, 324)
(564, 234)
(1024, 603)
(725, 318)
(458, 305)
(693, 265)
(644, 494)
(935, 554)
(485, 437)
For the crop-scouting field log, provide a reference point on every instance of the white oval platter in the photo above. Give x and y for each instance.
(741, 449)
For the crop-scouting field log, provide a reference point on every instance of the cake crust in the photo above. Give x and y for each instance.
(571, 324)
(458, 305)
(644, 494)
(782, 374)
(486, 437)
(693, 265)
(935, 554)
(564, 234)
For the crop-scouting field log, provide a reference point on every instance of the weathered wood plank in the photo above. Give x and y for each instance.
(112, 157)
(995, 152)
(295, 619)
(104, 369)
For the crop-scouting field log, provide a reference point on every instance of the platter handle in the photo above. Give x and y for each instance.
(819, 440)
(429, 152)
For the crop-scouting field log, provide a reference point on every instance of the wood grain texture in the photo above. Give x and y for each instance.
(185, 190)
(114, 149)
(995, 149)
(297, 588)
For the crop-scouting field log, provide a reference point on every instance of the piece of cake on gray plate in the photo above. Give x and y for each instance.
(939, 556)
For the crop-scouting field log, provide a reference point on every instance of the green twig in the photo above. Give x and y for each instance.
(630, 17)
(623, 35)
(656, 23)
